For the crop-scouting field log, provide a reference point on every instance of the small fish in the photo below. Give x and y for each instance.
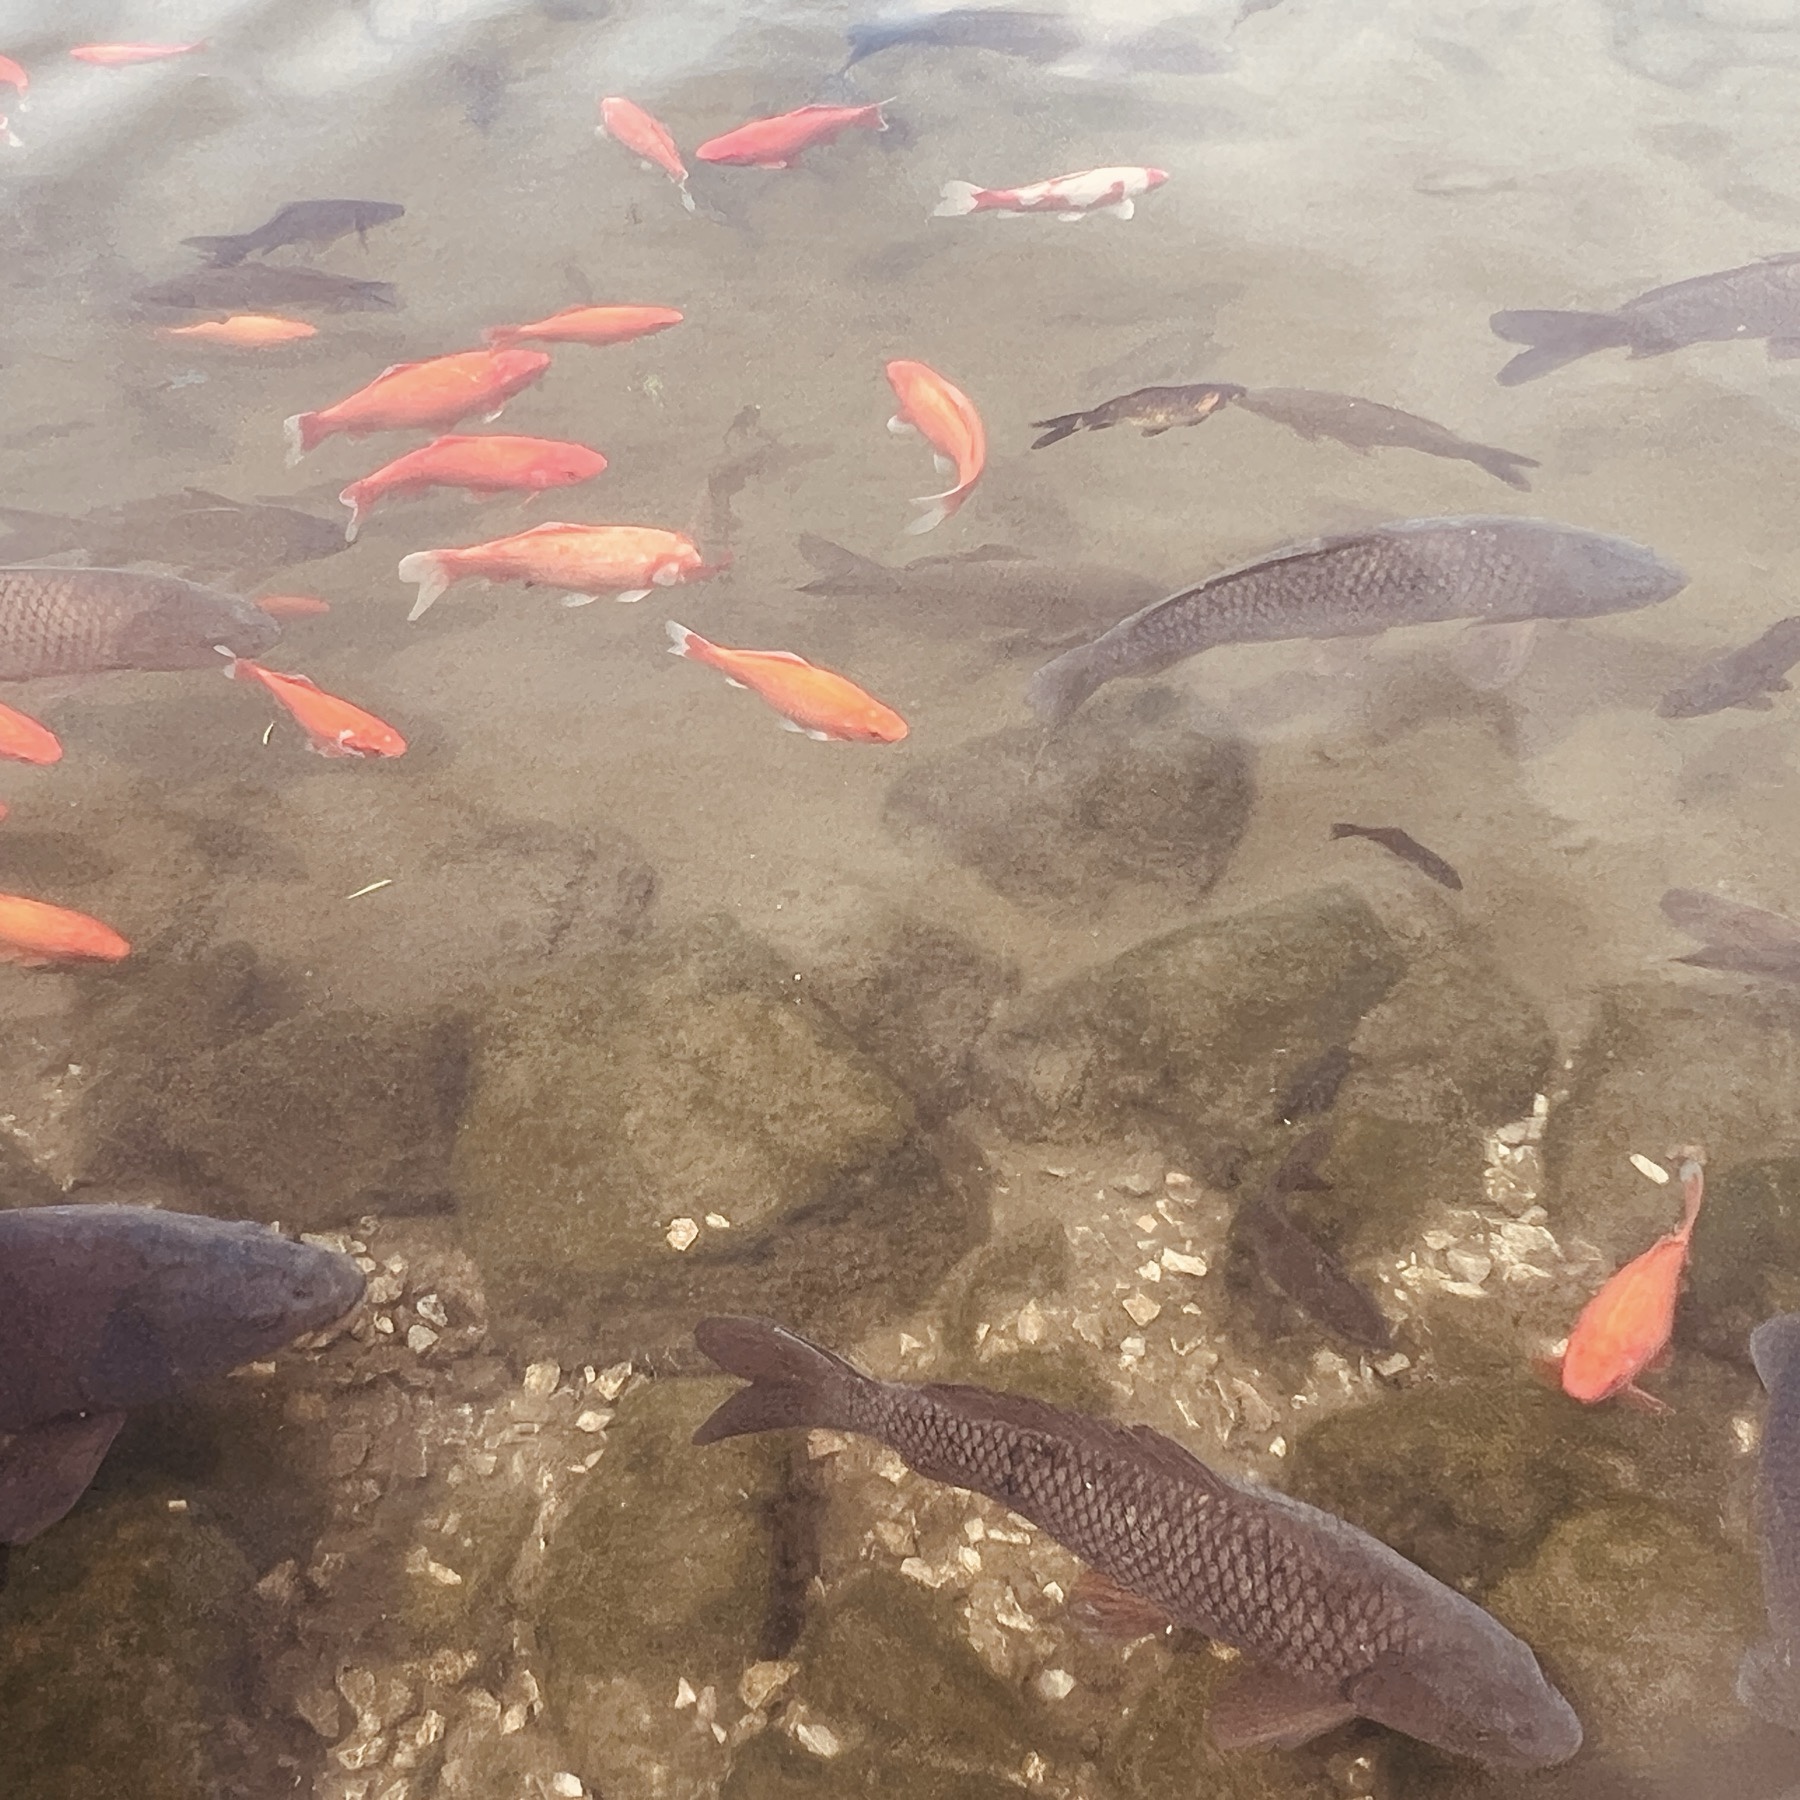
(595, 325)
(36, 935)
(1155, 409)
(1339, 1625)
(1768, 1680)
(8, 136)
(626, 561)
(314, 223)
(23, 739)
(13, 75)
(1039, 37)
(1746, 939)
(1625, 1328)
(107, 1308)
(646, 137)
(1407, 847)
(1070, 197)
(243, 331)
(124, 56)
(822, 704)
(947, 420)
(1759, 300)
(421, 396)
(1743, 677)
(258, 287)
(333, 727)
(292, 606)
(1313, 1088)
(776, 143)
(482, 465)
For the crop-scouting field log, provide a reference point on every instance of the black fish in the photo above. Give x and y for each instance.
(1407, 847)
(87, 621)
(103, 1308)
(1745, 939)
(1040, 37)
(1313, 1089)
(1742, 677)
(1154, 409)
(1760, 300)
(312, 222)
(1769, 1676)
(1413, 572)
(1343, 1626)
(256, 286)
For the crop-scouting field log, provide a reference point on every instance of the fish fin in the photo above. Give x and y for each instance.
(572, 600)
(1268, 1709)
(1784, 349)
(45, 1470)
(1503, 464)
(630, 596)
(959, 197)
(487, 418)
(743, 687)
(1123, 208)
(687, 199)
(1153, 430)
(1638, 1400)
(681, 640)
(666, 575)
(1555, 338)
(1757, 703)
(946, 465)
(1069, 218)
(1768, 1683)
(226, 252)
(786, 724)
(427, 569)
(902, 427)
(1055, 430)
(935, 513)
(792, 1382)
(818, 737)
(1058, 689)
(1493, 656)
(301, 433)
(1102, 1609)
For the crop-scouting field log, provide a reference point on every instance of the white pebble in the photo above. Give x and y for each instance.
(1655, 1171)
(1029, 1327)
(610, 1382)
(1178, 1262)
(592, 1421)
(1142, 1309)
(681, 1233)
(821, 1740)
(567, 1787)
(420, 1338)
(718, 1221)
(431, 1309)
(684, 1693)
(762, 1681)
(541, 1378)
(1054, 1684)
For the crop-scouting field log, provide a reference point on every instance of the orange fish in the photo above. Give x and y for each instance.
(625, 561)
(774, 143)
(11, 75)
(243, 331)
(422, 396)
(333, 727)
(946, 418)
(625, 122)
(483, 465)
(291, 606)
(34, 933)
(25, 740)
(816, 701)
(1626, 1326)
(596, 325)
(121, 56)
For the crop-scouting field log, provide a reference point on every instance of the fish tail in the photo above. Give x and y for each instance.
(352, 498)
(959, 197)
(501, 334)
(687, 199)
(792, 1382)
(874, 117)
(1055, 430)
(226, 252)
(1555, 338)
(426, 567)
(303, 432)
(1504, 464)
(1059, 687)
(1693, 1187)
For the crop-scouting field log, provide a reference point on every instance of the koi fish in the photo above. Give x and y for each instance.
(292, 606)
(1626, 1326)
(775, 143)
(822, 704)
(333, 727)
(13, 76)
(626, 561)
(1070, 197)
(243, 331)
(421, 396)
(35, 934)
(122, 56)
(646, 137)
(23, 739)
(483, 465)
(595, 325)
(946, 418)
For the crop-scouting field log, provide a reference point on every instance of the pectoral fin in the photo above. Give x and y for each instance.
(1102, 1609)
(45, 1470)
(1266, 1709)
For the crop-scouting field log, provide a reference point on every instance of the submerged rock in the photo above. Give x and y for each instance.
(1745, 1266)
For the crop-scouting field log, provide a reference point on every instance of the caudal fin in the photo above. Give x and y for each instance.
(225, 252)
(498, 335)
(425, 567)
(959, 198)
(1555, 338)
(1505, 464)
(1055, 430)
(792, 1382)
(352, 498)
(303, 433)
(1059, 687)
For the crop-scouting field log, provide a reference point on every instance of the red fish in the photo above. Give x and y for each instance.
(1626, 1326)
(25, 740)
(35, 934)
(12, 75)
(1068, 196)
(946, 418)
(421, 396)
(647, 137)
(819, 702)
(595, 325)
(774, 143)
(291, 606)
(333, 727)
(243, 331)
(483, 465)
(121, 56)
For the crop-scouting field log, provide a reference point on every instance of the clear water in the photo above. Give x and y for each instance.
(643, 962)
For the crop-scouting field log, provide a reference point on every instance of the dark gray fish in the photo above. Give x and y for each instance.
(104, 1308)
(87, 621)
(1154, 409)
(1313, 1088)
(1368, 425)
(1743, 677)
(1746, 939)
(1769, 1676)
(249, 286)
(1407, 847)
(843, 571)
(1760, 300)
(1040, 37)
(314, 223)
(1341, 1625)
(1412, 572)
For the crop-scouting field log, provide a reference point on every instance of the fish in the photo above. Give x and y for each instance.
(104, 1309)
(947, 420)
(35, 935)
(8, 136)
(13, 75)
(89, 621)
(1313, 1088)
(243, 331)
(1759, 300)
(1040, 37)
(482, 465)
(1408, 848)
(1625, 1328)
(1154, 409)
(421, 396)
(23, 739)
(1768, 1681)
(1743, 677)
(1368, 425)
(292, 606)
(1747, 939)
(333, 727)
(256, 287)
(124, 56)
(824, 705)
(1411, 572)
(776, 143)
(1340, 1625)
(646, 137)
(595, 325)
(626, 561)
(314, 223)
(1069, 197)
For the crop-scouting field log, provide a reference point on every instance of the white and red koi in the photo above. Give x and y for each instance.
(1069, 197)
